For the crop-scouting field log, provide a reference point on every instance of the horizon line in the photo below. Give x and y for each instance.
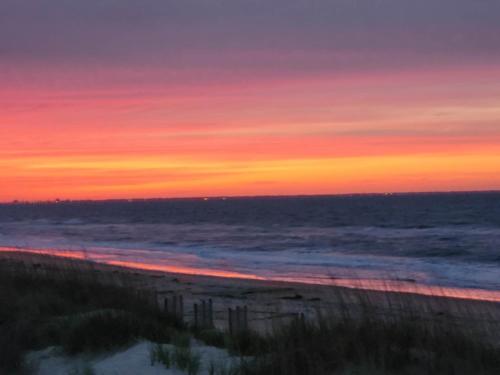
(224, 197)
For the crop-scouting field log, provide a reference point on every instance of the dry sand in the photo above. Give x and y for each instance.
(134, 360)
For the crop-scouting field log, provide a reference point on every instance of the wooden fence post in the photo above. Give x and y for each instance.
(174, 307)
(245, 318)
(238, 319)
(155, 299)
(181, 307)
(210, 313)
(230, 320)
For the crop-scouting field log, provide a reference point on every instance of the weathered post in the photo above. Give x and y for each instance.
(196, 316)
(174, 307)
(238, 319)
(181, 307)
(154, 298)
(210, 313)
(230, 320)
(245, 318)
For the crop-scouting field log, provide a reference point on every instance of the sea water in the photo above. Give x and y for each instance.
(445, 239)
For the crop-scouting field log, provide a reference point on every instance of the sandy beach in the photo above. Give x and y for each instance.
(271, 303)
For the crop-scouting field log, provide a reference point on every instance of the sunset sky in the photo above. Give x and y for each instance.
(159, 98)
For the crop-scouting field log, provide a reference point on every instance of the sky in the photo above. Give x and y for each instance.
(108, 99)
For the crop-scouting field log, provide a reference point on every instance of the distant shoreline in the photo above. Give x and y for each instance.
(236, 197)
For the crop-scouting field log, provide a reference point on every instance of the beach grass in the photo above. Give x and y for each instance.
(74, 310)
(82, 310)
(368, 346)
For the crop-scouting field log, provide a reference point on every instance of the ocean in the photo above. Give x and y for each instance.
(438, 239)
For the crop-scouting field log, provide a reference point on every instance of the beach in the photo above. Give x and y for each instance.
(272, 303)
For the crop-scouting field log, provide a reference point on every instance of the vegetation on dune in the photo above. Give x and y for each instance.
(70, 309)
(367, 346)
(181, 356)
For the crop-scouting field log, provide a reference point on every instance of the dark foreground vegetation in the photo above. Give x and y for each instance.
(71, 309)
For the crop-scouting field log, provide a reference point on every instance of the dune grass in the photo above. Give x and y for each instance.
(368, 346)
(73, 309)
(181, 356)
(80, 312)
